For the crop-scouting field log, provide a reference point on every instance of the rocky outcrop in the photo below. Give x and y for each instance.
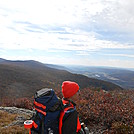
(22, 115)
(15, 110)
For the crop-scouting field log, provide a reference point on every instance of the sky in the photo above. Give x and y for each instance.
(73, 32)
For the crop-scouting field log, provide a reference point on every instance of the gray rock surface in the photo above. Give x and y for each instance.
(16, 110)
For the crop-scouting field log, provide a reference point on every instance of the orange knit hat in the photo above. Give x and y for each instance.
(69, 88)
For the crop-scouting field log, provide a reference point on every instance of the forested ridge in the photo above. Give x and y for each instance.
(23, 78)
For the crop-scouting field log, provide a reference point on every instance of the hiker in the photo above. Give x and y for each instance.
(72, 123)
(70, 94)
(53, 115)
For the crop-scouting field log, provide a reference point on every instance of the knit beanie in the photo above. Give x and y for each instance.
(69, 88)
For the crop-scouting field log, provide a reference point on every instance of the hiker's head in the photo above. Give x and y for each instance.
(69, 89)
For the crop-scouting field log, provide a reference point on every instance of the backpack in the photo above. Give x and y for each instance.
(68, 119)
(48, 107)
(52, 117)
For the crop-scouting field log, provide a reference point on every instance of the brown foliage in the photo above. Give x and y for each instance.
(14, 130)
(112, 112)
(5, 120)
(105, 109)
(19, 102)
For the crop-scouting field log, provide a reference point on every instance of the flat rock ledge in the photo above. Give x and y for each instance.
(15, 110)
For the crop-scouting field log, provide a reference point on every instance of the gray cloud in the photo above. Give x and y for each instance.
(118, 16)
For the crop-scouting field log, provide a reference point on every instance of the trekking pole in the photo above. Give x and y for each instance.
(85, 129)
(28, 125)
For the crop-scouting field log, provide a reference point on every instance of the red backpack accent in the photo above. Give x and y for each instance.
(78, 125)
(39, 105)
(44, 113)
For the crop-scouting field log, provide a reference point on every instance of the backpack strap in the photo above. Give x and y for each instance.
(42, 126)
(69, 106)
(44, 113)
(70, 102)
(35, 118)
(61, 118)
(39, 105)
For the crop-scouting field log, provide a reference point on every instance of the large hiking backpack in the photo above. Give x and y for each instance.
(48, 107)
(52, 117)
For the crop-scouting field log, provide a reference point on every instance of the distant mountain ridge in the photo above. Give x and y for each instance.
(24, 78)
(119, 76)
(2, 60)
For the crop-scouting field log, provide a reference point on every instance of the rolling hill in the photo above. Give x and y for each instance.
(23, 78)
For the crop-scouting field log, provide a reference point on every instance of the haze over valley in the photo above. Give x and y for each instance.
(120, 76)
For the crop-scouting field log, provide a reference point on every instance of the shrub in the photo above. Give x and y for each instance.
(105, 109)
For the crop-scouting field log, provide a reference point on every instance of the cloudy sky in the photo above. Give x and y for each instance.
(80, 32)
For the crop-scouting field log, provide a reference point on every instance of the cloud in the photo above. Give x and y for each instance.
(27, 35)
(81, 27)
(60, 12)
(117, 17)
(121, 55)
